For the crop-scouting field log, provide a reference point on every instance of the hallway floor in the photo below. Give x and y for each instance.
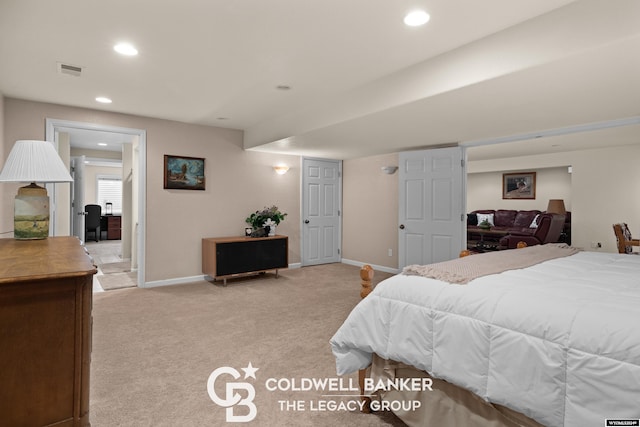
(105, 252)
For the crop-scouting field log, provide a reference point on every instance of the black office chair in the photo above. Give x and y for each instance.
(92, 220)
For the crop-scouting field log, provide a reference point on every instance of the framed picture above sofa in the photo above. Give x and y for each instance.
(521, 185)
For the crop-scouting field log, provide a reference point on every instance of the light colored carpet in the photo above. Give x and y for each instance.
(118, 280)
(154, 349)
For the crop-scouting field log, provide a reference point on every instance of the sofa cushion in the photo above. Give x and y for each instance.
(522, 231)
(486, 217)
(525, 218)
(534, 223)
(484, 211)
(472, 219)
(504, 218)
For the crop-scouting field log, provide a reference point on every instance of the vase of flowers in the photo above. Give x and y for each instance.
(265, 220)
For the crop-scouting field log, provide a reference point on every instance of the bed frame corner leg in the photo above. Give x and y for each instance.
(366, 275)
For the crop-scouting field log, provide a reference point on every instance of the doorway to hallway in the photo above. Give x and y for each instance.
(133, 171)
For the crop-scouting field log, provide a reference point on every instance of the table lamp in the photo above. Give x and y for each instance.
(33, 161)
(556, 206)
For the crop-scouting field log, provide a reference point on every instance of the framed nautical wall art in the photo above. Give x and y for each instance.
(183, 173)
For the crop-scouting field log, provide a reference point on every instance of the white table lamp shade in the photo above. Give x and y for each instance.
(34, 161)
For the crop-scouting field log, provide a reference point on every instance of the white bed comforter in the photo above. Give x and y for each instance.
(559, 341)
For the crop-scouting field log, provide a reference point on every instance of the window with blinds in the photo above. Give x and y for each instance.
(110, 191)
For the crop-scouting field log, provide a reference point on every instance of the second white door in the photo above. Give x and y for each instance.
(321, 195)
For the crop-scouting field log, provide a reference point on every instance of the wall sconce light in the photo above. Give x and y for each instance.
(33, 161)
(281, 169)
(389, 170)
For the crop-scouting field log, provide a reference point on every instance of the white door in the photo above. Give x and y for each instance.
(77, 197)
(431, 212)
(321, 196)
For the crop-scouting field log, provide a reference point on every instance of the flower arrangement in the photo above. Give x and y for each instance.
(259, 219)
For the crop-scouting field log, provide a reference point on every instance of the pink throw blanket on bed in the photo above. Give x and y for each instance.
(463, 270)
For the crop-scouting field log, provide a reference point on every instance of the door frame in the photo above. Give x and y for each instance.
(56, 125)
(77, 164)
(303, 195)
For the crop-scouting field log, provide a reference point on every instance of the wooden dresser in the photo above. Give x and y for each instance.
(46, 290)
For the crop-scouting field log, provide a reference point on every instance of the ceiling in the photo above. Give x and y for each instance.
(88, 139)
(361, 82)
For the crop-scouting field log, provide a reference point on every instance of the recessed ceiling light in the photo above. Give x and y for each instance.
(102, 144)
(416, 18)
(103, 100)
(283, 87)
(125, 49)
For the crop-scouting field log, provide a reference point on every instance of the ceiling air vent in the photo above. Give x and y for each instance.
(72, 70)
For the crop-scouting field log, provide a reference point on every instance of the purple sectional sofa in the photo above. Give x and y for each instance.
(513, 226)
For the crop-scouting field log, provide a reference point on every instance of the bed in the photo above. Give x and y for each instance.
(555, 343)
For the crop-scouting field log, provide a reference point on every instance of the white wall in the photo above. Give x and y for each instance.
(90, 181)
(92, 171)
(484, 190)
(370, 204)
(62, 191)
(127, 200)
(605, 190)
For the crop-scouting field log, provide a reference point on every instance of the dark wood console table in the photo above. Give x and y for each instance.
(46, 291)
(225, 257)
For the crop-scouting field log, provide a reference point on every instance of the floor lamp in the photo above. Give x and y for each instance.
(556, 206)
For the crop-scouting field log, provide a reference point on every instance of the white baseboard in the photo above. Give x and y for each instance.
(191, 279)
(374, 266)
(176, 281)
